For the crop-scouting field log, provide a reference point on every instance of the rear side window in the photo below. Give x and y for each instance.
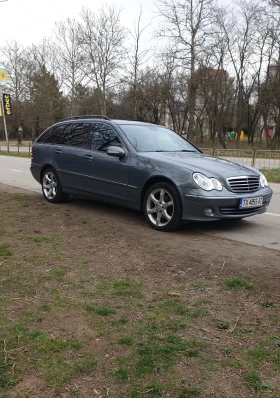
(61, 135)
(45, 138)
(79, 136)
(56, 135)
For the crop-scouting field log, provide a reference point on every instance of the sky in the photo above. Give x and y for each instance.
(29, 21)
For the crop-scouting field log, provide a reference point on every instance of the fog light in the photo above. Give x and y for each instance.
(208, 211)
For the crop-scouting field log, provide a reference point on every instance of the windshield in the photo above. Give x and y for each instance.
(147, 138)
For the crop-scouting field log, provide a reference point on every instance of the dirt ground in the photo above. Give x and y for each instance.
(97, 274)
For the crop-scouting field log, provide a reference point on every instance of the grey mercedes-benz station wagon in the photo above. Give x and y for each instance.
(146, 167)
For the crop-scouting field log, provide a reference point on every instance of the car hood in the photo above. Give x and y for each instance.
(199, 162)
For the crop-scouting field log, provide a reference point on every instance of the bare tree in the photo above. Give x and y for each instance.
(187, 24)
(70, 58)
(102, 38)
(137, 58)
(175, 83)
(241, 28)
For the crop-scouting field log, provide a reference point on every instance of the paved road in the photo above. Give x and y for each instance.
(260, 230)
(15, 171)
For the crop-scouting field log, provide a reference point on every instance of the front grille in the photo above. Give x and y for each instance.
(233, 211)
(244, 184)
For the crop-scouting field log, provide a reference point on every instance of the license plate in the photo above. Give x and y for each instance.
(250, 202)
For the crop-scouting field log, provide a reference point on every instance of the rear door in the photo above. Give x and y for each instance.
(69, 156)
(59, 143)
(84, 164)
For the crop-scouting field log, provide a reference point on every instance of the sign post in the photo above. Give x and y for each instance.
(3, 78)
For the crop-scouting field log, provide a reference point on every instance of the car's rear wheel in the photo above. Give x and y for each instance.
(51, 187)
(162, 207)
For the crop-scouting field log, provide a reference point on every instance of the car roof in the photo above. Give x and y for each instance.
(106, 119)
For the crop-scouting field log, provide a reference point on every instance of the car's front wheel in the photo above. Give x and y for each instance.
(162, 207)
(51, 186)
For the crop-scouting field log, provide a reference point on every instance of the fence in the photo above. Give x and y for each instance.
(261, 159)
(16, 148)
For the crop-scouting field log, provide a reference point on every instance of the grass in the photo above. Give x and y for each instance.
(151, 391)
(55, 358)
(238, 284)
(19, 198)
(158, 354)
(5, 250)
(71, 315)
(119, 288)
(254, 381)
(272, 175)
(199, 285)
(223, 325)
(269, 304)
(102, 311)
(20, 154)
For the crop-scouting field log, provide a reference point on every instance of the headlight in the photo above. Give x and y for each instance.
(217, 184)
(263, 180)
(208, 184)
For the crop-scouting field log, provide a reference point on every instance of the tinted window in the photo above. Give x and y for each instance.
(61, 135)
(47, 136)
(56, 135)
(79, 135)
(102, 136)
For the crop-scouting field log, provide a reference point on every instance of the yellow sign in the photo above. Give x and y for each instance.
(0, 109)
(7, 104)
(3, 75)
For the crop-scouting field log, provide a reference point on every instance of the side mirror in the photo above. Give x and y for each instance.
(115, 151)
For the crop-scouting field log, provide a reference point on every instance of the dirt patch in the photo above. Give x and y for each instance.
(95, 303)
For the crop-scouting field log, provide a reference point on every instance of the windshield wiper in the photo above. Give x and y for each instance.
(174, 150)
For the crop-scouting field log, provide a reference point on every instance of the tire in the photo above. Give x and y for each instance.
(162, 207)
(51, 187)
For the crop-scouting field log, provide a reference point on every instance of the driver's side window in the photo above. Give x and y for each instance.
(102, 136)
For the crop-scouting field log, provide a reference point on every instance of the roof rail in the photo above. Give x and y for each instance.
(87, 117)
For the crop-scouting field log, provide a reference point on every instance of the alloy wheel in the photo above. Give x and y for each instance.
(160, 207)
(50, 185)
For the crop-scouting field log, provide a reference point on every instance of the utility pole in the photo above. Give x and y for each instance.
(3, 78)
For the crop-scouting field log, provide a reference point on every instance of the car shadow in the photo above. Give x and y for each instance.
(105, 207)
(231, 225)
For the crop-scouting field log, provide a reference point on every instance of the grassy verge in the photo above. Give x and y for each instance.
(272, 175)
(78, 315)
(20, 154)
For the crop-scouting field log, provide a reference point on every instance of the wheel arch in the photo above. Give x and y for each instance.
(45, 167)
(155, 180)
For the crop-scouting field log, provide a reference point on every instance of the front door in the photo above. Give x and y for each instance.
(108, 175)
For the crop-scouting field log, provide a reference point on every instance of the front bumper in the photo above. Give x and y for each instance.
(224, 205)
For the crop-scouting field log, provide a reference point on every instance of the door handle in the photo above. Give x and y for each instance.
(59, 151)
(88, 157)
